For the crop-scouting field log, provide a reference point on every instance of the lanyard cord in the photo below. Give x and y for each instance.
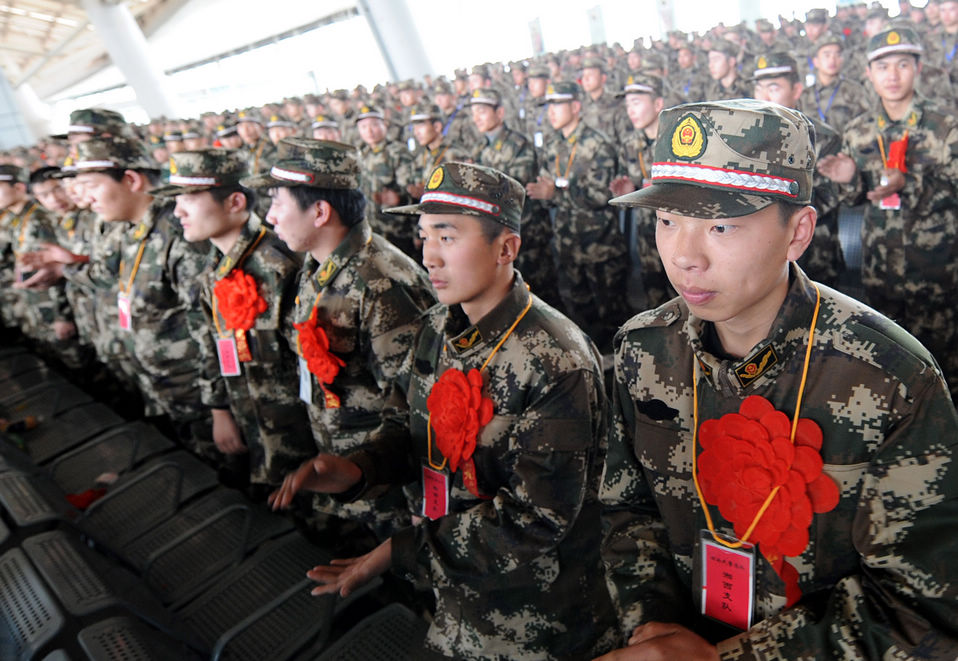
(481, 369)
(568, 166)
(23, 226)
(136, 266)
(695, 427)
(438, 159)
(818, 101)
(881, 148)
(239, 263)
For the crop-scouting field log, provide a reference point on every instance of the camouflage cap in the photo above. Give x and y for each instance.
(249, 115)
(203, 169)
(725, 47)
(407, 85)
(12, 174)
(764, 25)
(460, 74)
(775, 65)
(876, 12)
(95, 121)
(486, 96)
(322, 121)
(726, 159)
(173, 136)
(481, 70)
(473, 190)
(652, 61)
(642, 84)
(538, 71)
(593, 63)
(894, 40)
(442, 87)
(367, 111)
(113, 153)
(341, 95)
(562, 91)
(280, 120)
(308, 162)
(828, 38)
(816, 16)
(424, 112)
(226, 130)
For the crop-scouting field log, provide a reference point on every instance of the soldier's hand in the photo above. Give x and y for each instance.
(42, 278)
(543, 188)
(226, 434)
(840, 168)
(659, 641)
(416, 190)
(326, 473)
(64, 330)
(388, 198)
(893, 180)
(344, 576)
(621, 186)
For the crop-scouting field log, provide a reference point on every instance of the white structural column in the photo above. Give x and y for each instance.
(397, 37)
(124, 41)
(14, 128)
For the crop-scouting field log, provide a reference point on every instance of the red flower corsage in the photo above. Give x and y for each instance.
(748, 454)
(314, 346)
(458, 411)
(238, 300)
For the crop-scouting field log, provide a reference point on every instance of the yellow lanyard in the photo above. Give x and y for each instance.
(259, 152)
(436, 161)
(568, 165)
(645, 174)
(695, 428)
(239, 263)
(481, 369)
(136, 266)
(23, 227)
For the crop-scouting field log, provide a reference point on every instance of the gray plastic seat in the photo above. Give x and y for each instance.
(31, 378)
(29, 617)
(128, 639)
(394, 633)
(14, 362)
(59, 434)
(33, 499)
(44, 402)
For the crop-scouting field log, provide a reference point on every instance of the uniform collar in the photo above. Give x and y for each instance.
(488, 330)
(911, 119)
(359, 236)
(157, 207)
(248, 235)
(767, 359)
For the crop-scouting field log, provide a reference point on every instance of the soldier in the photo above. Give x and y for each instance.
(836, 550)
(457, 128)
(426, 120)
(833, 99)
(537, 125)
(279, 127)
(816, 24)
(341, 111)
(576, 168)
(725, 83)
(88, 123)
(776, 79)
(357, 310)
(228, 136)
(899, 158)
(513, 154)
(257, 147)
(600, 109)
(686, 84)
(387, 171)
(248, 293)
(643, 103)
(326, 128)
(496, 426)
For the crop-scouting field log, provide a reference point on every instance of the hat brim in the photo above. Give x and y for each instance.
(266, 180)
(170, 191)
(694, 201)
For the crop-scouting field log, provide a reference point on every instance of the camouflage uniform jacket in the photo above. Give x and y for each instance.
(387, 166)
(537, 123)
(76, 232)
(458, 128)
(369, 299)
(823, 261)
(260, 155)
(715, 91)
(586, 227)
(607, 115)
(426, 160)
(164, 294)
(516, 572)
(877, 578)
(835, 104)
(264, 397)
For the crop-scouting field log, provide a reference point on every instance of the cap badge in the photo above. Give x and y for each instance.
(630, 80)
(475, 94)
(435, 180)
(688, 139)
(172, 166)
(550, 90)
(762, 63)
(893, 38)
(364, 109)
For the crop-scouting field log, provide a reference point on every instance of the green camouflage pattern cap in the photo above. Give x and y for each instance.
(308, 162)
(407, 85)
(280, 120)
(114, 153)
(460, 74)
(876, 12)
(593, 63)
(96, 122)
(486, 96)
(481, 70)
(173, 136)
(816, 16)
(442, 87)
(367, 111)
(726, 159)
(894, 40)
(652, 61)
(341, 95)
(725, 47)
(764, 25)
(828, 38)
(642, 84)
(424, 112)
(562, 91)
(473, 190)
(775, 65)
(538, 71)
(226, 130)
(203, 169)
(12, 174)
(324, 121)
(249, 115)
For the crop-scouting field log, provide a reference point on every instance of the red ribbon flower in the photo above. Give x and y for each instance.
(238, 300)
(314, 346)
(748, 454)
(458, 411)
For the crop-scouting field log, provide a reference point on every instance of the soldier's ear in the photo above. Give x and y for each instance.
(802, 224)
(323, 211)
(509, 249)
(500, 113)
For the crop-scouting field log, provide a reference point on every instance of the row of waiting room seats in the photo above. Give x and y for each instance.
(168, 564)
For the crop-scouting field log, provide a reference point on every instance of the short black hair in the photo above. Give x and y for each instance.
(350, 204)
(491, 229)
(40, 175)
(116, 174)
(222, 192)
(787, 209)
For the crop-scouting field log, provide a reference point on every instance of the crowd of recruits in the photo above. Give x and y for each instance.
(514, 562)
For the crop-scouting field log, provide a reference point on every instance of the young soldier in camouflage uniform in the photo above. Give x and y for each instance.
(826, 381)
(901, 157)
(248, 292)
(600, 108)
(426, 120)
(456, 125)
(834, 98)
(776, 80)
(576, 168)
(256, 147)
(358, 292)
(512, 153)
(725, 83)
(509, 542)
(536, 126)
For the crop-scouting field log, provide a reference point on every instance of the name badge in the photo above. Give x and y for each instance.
(124, 315)
(537, 139)
(305, 382)
(229, 357)
(809, 80)
(522, 113)
(892, 202)
(728, 582)
(435, 493)
(411, 144)
(562, 182)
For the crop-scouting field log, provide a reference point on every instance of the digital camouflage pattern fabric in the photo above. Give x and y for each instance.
(515, 572)
(308, 162)
(198, 171)
(875, 579)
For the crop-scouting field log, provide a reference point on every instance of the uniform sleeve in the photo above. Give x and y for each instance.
(903, 603)
(589, 188)
(547, 468)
